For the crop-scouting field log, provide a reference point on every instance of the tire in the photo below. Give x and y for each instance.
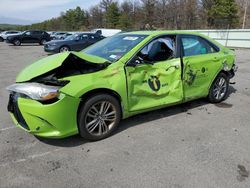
(1, 39)
(98, 117)
(219, 89)
(17, 42)
(64, 49)
(43, 41)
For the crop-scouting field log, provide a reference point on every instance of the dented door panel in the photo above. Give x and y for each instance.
(199, 73)
(154, 85)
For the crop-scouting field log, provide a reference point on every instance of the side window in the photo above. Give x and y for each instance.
(36, 32)
(28, 33)
(92, 37)
(84, 37)
(193, 45)
(160, 49)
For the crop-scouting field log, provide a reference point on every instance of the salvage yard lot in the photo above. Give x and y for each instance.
(196, 144)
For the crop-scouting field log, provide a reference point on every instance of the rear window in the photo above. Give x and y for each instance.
(195, 45)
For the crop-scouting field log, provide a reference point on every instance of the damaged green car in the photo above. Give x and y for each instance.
(89, 92)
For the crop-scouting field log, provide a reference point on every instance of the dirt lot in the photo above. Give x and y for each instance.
(191, 145)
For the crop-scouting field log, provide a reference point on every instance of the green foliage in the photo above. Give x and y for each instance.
(126, 15)
(223, 12)
(141, 14)
(112, 15)
(71, 20)
(4, 27)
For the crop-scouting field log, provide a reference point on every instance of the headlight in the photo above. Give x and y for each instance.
(35, 91)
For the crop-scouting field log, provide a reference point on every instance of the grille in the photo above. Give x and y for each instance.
(13, 108)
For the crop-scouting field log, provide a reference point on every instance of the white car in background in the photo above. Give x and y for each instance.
(106, 32)
(5, 34)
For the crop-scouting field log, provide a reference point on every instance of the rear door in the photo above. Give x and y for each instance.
(36, 36)
(82, 43)
(202, 61)
(93, 38)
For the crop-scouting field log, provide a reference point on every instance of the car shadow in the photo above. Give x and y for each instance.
(71, 141)
(25, 45)
(136, 120)
(231, 90)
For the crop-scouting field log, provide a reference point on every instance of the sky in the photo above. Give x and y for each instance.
(39, 10)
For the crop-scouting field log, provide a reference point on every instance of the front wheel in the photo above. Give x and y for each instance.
(99, 117)
(219, 89)
(64, 49)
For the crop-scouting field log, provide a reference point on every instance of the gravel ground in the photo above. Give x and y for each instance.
(192, 145)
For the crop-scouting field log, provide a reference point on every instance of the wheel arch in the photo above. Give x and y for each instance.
(97, 91)
(65, 45)
(227, 73)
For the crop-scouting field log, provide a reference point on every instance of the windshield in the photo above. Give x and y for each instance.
(113, 48)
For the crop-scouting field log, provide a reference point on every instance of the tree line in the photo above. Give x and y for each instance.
(150, 14)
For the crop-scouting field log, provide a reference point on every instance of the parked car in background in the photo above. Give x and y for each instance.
(89, 92)
(74, 42)
(31, 36)
(106, 32)
(57, 35)
(51, 32)
(5, 34)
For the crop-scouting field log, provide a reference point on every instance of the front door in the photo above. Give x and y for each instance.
(154, 76)
(27, 37)
(201, 64)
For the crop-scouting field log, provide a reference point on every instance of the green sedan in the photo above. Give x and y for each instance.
(89, 92)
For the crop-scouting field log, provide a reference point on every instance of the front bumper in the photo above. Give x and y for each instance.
(51, 49)
(233, 71)
(8, 41)
(55, 120)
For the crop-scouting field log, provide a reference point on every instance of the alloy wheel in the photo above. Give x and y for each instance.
(43, 41)
(220, 88)
(64, 49)
(100, 118)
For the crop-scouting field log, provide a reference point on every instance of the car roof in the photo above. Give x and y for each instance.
(162, 32)
(35, 30)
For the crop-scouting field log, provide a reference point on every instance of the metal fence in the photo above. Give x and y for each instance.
(230, 38)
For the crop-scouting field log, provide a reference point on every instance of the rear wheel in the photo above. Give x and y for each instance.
(43, 41)
(17, 42)
(99, 117)
(219, 89)
(1, 39)
(64, 49)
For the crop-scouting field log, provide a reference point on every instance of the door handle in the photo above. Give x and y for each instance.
(173, 66)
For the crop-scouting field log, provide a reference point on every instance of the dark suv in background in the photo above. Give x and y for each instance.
(31, 36)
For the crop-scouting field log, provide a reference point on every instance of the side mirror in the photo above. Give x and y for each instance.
(77, 39)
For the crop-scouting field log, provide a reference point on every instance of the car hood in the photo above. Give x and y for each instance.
(62, 65)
